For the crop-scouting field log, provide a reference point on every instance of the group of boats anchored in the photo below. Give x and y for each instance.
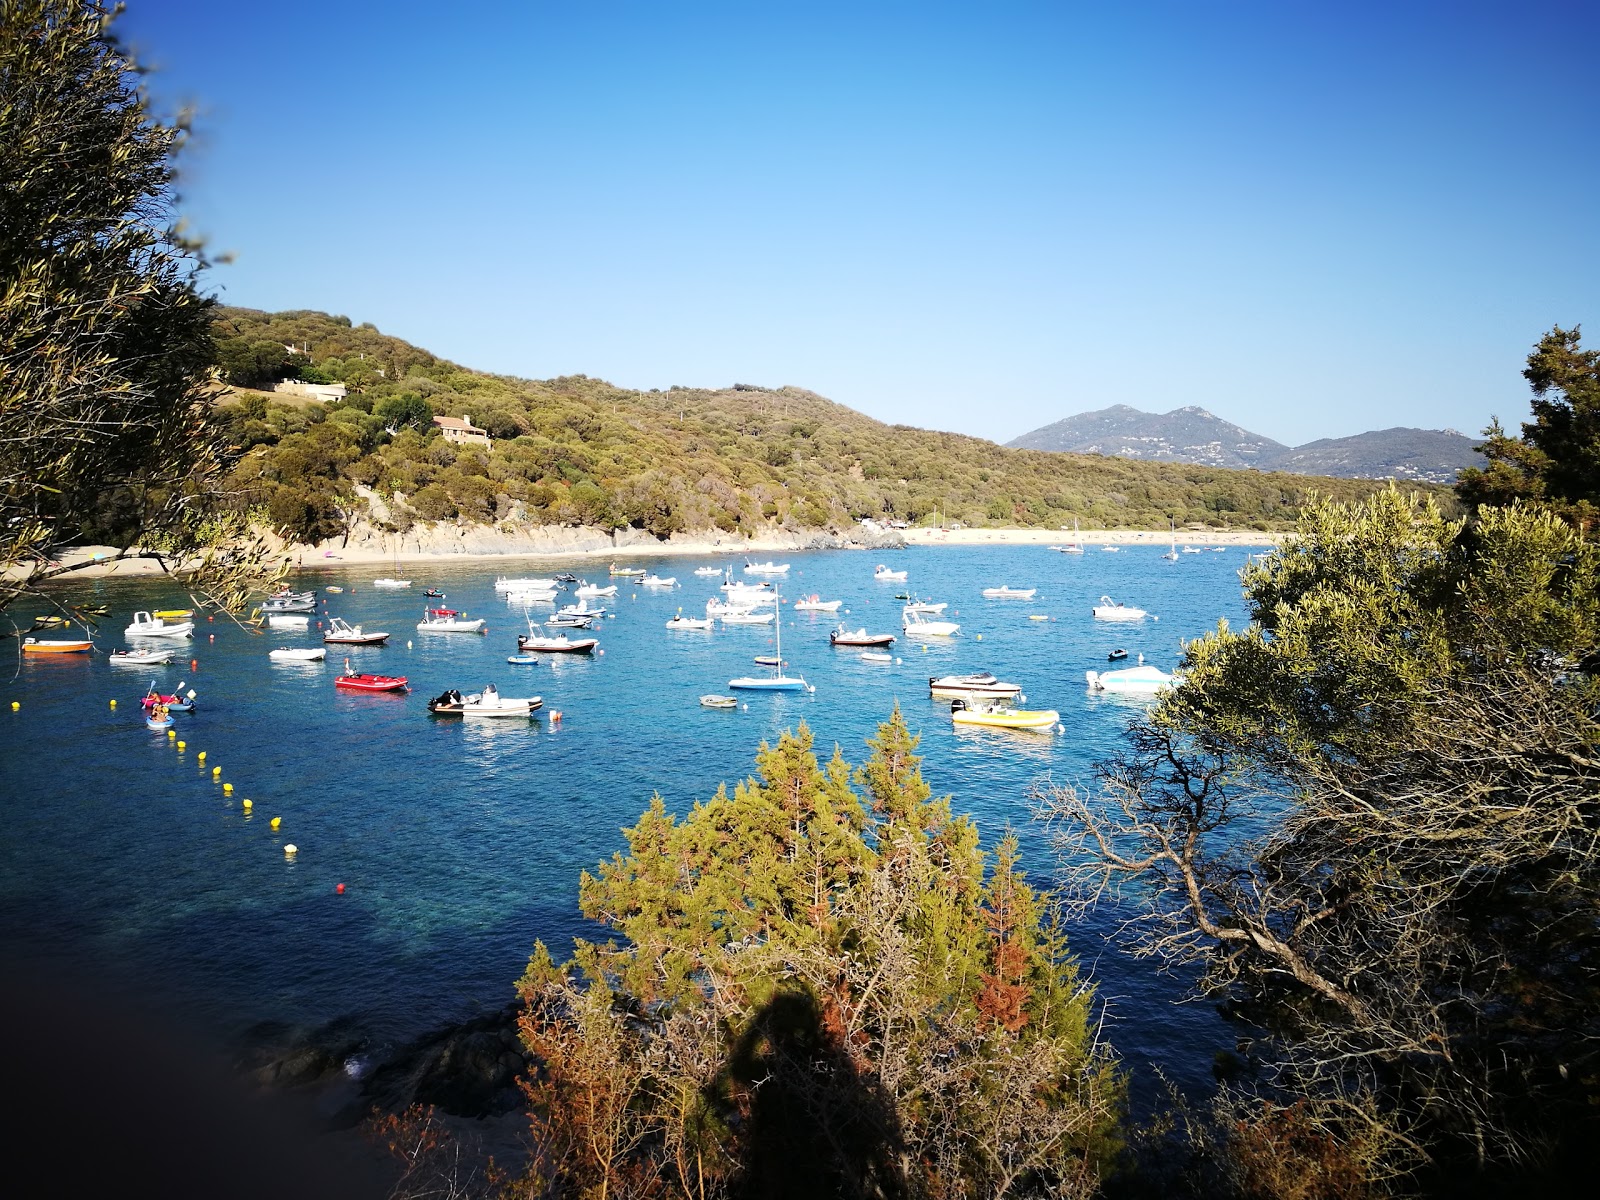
(978, 699)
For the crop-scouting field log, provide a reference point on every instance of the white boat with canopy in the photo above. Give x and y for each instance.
(144, 625)
(1110, 610)
(917, 624)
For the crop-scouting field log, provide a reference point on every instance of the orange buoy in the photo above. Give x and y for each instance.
(194, 664)
(339, 889)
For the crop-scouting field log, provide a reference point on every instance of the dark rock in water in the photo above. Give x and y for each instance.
(468, 1070)
(274, 1053)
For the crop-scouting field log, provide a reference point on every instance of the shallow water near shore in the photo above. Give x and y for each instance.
(460, 843)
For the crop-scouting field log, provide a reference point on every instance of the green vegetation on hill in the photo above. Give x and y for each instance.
(579, 451)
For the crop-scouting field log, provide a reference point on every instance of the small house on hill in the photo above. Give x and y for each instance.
(462, 431)
(325, 392)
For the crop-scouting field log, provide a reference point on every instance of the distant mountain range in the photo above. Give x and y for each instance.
(1193, 435)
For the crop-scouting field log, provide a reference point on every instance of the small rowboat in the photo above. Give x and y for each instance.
(998, 716)
(51, 622)
(523, 660)
(718, 702)
(817, 604)
(747, 618)
(176, 702)
(372, 683)
(770, 660)
(157, 719)
(1009, 593)
(557, 645)
(689, 623)
(140, 658)
(841, 637)
(288, 604)
(334, 590)
(289, 654)
(54, 646)
(874, 656)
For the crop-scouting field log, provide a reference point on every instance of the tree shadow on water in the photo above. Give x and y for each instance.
(815, 1125)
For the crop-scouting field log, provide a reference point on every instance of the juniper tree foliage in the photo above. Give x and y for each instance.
(105, 342)
(817, 992)
(1373, 818)
(1556, 461)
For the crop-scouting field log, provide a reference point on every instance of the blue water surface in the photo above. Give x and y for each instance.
(460, 843)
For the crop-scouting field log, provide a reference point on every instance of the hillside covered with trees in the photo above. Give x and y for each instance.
(580, 451)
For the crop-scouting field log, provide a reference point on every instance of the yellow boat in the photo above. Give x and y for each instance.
(173, 614)
(998, 716)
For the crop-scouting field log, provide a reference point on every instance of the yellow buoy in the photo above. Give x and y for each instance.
(202, 756)
(227, 789)
(216, 772)
(276, 821)
(980, 637)
(246, 805)
(172, 735)
(113, 704)
(15, 704)
(181, 745)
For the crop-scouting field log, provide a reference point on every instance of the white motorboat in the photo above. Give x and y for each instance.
(140, 658)
(289, 654)
(715, 701)
(766, 568)
(288, 620)
(445, 620)
(1109, 549)
(817, 604)
(626, 572)
(1009, 593)
(1109, 610)
(777, 681)
(289, 604)
(723, 608)
(953, 687)
(746, 617)
(656, 581)
(884, 575)
(1142, 678)
(144, 625)
(1193, 550)
(569, 621)
(922, 606)
(529, 598)
(917, 624)
(556, 645)
(682, 622)
(580, 609)
(525, 585)
(487, 703)
(391, 583)
(707, 572)
(876, 656)
(342, 633)
(594, 589)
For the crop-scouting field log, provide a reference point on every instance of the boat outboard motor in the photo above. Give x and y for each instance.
(958, 706)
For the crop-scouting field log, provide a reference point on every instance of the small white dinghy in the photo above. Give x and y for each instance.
(707, 572)
(766, 568)
(817, 604)
(586, 590)
(140, 658)
(682, 622)
(655, 581)
(875, 656)
(444, 620)
(745, 617)
(884, 575)
(1009, 593)
(391, 583)
(715, 701)
(288, 621)
(290, 654)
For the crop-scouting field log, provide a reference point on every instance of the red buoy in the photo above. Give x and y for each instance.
(194, 664)
(339, 889)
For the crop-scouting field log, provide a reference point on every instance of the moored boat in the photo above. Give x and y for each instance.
(656, 581)
(777, 681)
(585, 590)
(916, 624)
(746, 617)
(300, 654)
(982, 685)
(448, 620)
(998, 716)
(682, 622)
(715, 701)
(487, 703)
(1009, 593)
(875, 656)
(355, 681)
(140, 658)
(556, 645)
(173, 614)
(525, 585)
(884, 575)
(145, 625)
(1110, 610)
(1142, 678)
(815, 603)
(860, 637)
(391, 584)
(707, 572)
(342, 633)
(766, 568)
(922, 606)
(56, 645)
(288, 604)
(288, 621)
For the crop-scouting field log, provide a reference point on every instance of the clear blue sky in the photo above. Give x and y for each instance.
(1311, 219)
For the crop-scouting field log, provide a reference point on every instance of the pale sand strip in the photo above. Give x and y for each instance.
(600, 546)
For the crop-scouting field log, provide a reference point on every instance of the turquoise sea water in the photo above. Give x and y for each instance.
(460, 843)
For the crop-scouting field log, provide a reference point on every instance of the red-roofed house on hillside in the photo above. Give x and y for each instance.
(462, 431)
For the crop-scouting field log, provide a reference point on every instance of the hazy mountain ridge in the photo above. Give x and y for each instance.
(1193, 435)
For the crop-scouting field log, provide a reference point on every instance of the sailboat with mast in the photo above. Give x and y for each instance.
(1074, 546)
(1172, 555)
(777, 681)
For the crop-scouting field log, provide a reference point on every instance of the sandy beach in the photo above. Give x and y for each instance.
(449, 544)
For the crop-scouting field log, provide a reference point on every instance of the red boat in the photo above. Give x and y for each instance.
(372, 683)
(444, 612)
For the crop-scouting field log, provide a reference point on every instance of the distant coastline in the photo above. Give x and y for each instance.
(437, 545)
